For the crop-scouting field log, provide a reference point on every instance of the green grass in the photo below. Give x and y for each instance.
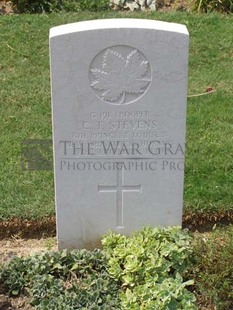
(212, 268)
(26, 111)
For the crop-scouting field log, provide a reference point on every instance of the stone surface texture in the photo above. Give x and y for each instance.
(119, 90)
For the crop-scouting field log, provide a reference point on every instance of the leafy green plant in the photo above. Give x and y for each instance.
(37, 6)
(150, 265)
(93, 5)
(214, 5)
(63, 280)
(49, 243)
(40, 6)
(70, 5)
(140, 272)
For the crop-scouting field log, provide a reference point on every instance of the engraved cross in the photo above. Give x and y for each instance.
(119, 189)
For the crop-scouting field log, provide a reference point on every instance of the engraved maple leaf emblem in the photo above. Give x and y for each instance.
(120, 75)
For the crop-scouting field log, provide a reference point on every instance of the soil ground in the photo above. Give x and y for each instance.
(15, 246)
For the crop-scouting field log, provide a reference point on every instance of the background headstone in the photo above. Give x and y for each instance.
(119, 90)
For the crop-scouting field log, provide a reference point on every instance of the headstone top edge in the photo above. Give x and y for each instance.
(118, 23)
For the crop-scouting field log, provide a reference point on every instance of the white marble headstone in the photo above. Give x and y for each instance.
(119, 90)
